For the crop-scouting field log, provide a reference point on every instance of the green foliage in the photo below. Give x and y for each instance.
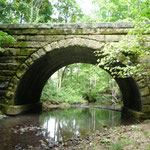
(4, 37)
(39, 11)
(44, 11)
(121, 10)
(121, 59)
(22, 11)
(135, 128)
(117, 146)
(147, 147)
(62, 95)
(80, 82)
(67, 11)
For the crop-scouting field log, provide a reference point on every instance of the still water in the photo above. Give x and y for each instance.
(33, 130)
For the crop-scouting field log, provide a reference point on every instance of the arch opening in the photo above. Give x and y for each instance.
(81, 83)
(30, 86)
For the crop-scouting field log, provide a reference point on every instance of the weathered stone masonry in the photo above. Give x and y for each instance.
(41, 49)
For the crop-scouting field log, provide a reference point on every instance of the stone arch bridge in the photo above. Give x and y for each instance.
(42, 49)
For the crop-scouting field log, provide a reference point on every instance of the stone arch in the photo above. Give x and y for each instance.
(26, 86)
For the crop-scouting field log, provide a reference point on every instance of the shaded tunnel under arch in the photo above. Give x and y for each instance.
(31, 85)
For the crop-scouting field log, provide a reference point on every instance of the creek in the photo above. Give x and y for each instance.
(54, 128)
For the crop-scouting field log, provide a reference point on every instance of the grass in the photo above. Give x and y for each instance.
(117, 146)
(147, 147)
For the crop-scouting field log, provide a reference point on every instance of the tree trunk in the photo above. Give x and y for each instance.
(77, 74)
(61, 73)
(139, 5)
(31, 14)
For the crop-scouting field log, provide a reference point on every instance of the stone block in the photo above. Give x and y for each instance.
(129, 112)
(26, 51)
(48, 48)
(15, 80)
(5, 78)
(11, 51)
(52, 38)
(144, 91)
(24, 44)
(29, 62)
(35, 38)
(100, 38)
(20, 38)
(74, 36)
(113, 38)
(146, 108)
(41, 52)
(7, 72)
(62, 44)
(69, 42)
(8, 66)
(51, 26)
(34, 44)
(15, 44)
(27, 32)
(145, 116)
(2, 100)
(146, 100)
(7, 59)
(12, 87)
(3, 93)
(10, 94)
(35, 56)
(3, 85)
(141, 83)
(74, 41)
(21, 70)
(54, 45)
(49, 38)
(95, 44)
(8, 101)
(12, 59)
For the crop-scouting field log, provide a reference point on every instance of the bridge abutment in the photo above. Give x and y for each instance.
(19, 109)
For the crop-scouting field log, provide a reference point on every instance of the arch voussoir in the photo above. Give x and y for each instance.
(47, 47)
(29, 61)
(22, 69)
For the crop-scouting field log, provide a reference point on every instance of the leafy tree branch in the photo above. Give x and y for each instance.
(121, 59)
(4, 37)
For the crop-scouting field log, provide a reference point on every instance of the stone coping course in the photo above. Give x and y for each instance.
(68, 25)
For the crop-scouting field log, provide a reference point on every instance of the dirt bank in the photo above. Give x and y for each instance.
(129, 137)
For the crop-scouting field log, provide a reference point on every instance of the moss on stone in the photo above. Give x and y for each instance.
(128, 112)
(18, 109)
(26, 51)
(15, 44)
(4, 78)
(146, 108)
(7, 72)
(8, 102)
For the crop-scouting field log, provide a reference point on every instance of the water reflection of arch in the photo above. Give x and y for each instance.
(67, 123)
